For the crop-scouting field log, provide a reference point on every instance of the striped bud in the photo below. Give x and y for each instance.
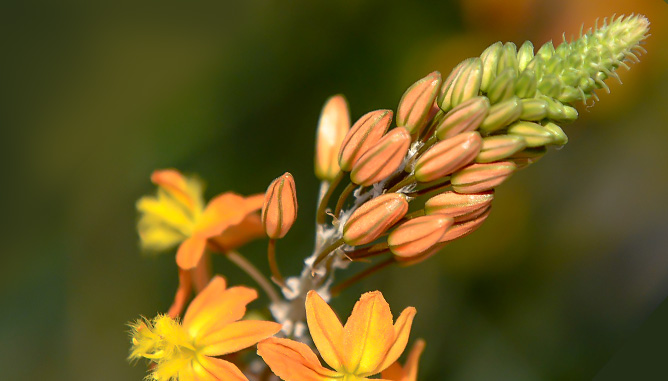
(279, 211)
(478, 178)
(364, 134)
(465, 117)
(559, 137)
(418, 235)
(502, 114)
(373, 218)
(490, 62)
(405, 262)
(508, 59)
(525, 87)
(416, 103)
(447, 156)
(527, 156)
(333, 126)
(383, 158)
(550, 85)
(503, 86)
(495, 148)
(463, 84)
(524, 55)
(463, 229)
(560, 112)
(533, 109)
(461, 207)
(534, 134)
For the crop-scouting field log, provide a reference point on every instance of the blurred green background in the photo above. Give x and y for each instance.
(572, 260)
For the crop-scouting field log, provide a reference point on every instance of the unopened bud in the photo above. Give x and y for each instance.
(477, 178)
(559, 137)
(416, 103)
(490, 62)
(524, 55)
(571, 94)
(527, 156)
(533, 109)
(279, 211)
(525, 87)
(503, 86)
(418, 235)
(333, 126)
(508, 58)
(534, 134)
(383, 158)
(550, 85)
(502, 114)
(560, 112)
(464, 84)
(546, 51)
(373, 218)
(447, 156)
(467, 116)
(499, 147)
(364, 134)
(461, 207)
(462, 229)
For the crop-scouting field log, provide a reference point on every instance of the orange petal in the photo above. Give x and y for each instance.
(222, 211)
(394, 372)
(402, 329)
(185, 190)
(413, 360)
(212, 369)
(326, 330)
(238, 235)
(254, 202)
(293, 361)
(236, 336)
(190, 252)
(368, 334)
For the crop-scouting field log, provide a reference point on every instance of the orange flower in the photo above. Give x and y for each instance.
(365, 346)
(210, 328)
(409, 372)
(177, 215)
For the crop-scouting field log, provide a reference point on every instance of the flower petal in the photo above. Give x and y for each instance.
(394, 372)
(248, 229)
(186, 190)
(207, 368)
(293, 361)
(368, 334)
(254, 202)
(402, 329)
(223, 211)
(236, 336)
(209, 295)
(326, 330)
(190, 252)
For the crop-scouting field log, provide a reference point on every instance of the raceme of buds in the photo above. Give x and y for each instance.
(462, 84)
(374, 217)
(462, 229)
(279, 211)
(447, 156)
(502, 114)
(461, 207)
(383, 158)
(364, 134)
(416, 103)
(418, 235)
(499, 147)
(478, 178)
(333, 126)
(467, 116)
(534, 134)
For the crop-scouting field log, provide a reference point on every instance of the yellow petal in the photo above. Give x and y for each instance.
(236, 336)
(326, 330)
(190, 252)
(162, 210)
(293, 361)
(402, 329)
(368, 334)
(188, 191)
(223, 211)
(212, 369)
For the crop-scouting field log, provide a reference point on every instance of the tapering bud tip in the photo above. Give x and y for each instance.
(374, 217)
(534, 134)
(279, 211)
(418, 235)
(462, 84)
(478, 178)
(333, 126)
(461, 207)
(382, 159)
(462, 229)
(416, 103)
(499, 147)
(362, 136)
(467, 116)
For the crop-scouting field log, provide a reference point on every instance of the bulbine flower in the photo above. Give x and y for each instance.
(187, 351)
(368, 343)
(177, 215)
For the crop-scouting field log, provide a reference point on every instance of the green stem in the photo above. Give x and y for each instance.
(322, 207)
(273, 265)
(342, 199)
(406, 181)
(335, 245)
(254, 273)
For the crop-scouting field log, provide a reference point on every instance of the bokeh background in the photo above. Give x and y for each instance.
(572, 260)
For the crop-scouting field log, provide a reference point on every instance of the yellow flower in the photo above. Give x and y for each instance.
(177, 215)
(210, 328)
(409, 371)
(365, 346)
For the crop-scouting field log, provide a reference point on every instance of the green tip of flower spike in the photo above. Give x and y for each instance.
(574, 70)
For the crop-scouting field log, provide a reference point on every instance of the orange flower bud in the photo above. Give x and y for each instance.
(383, 158)
(279, 211)
(499, 147)
(462, 84)
(465, 117)
(416, 103)
(333, 126)
(418, 235)
(409, 261)
(462, 229)
(374, 217)
(461, 207)
(364, 134)
(447, 156)
(478, 178)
